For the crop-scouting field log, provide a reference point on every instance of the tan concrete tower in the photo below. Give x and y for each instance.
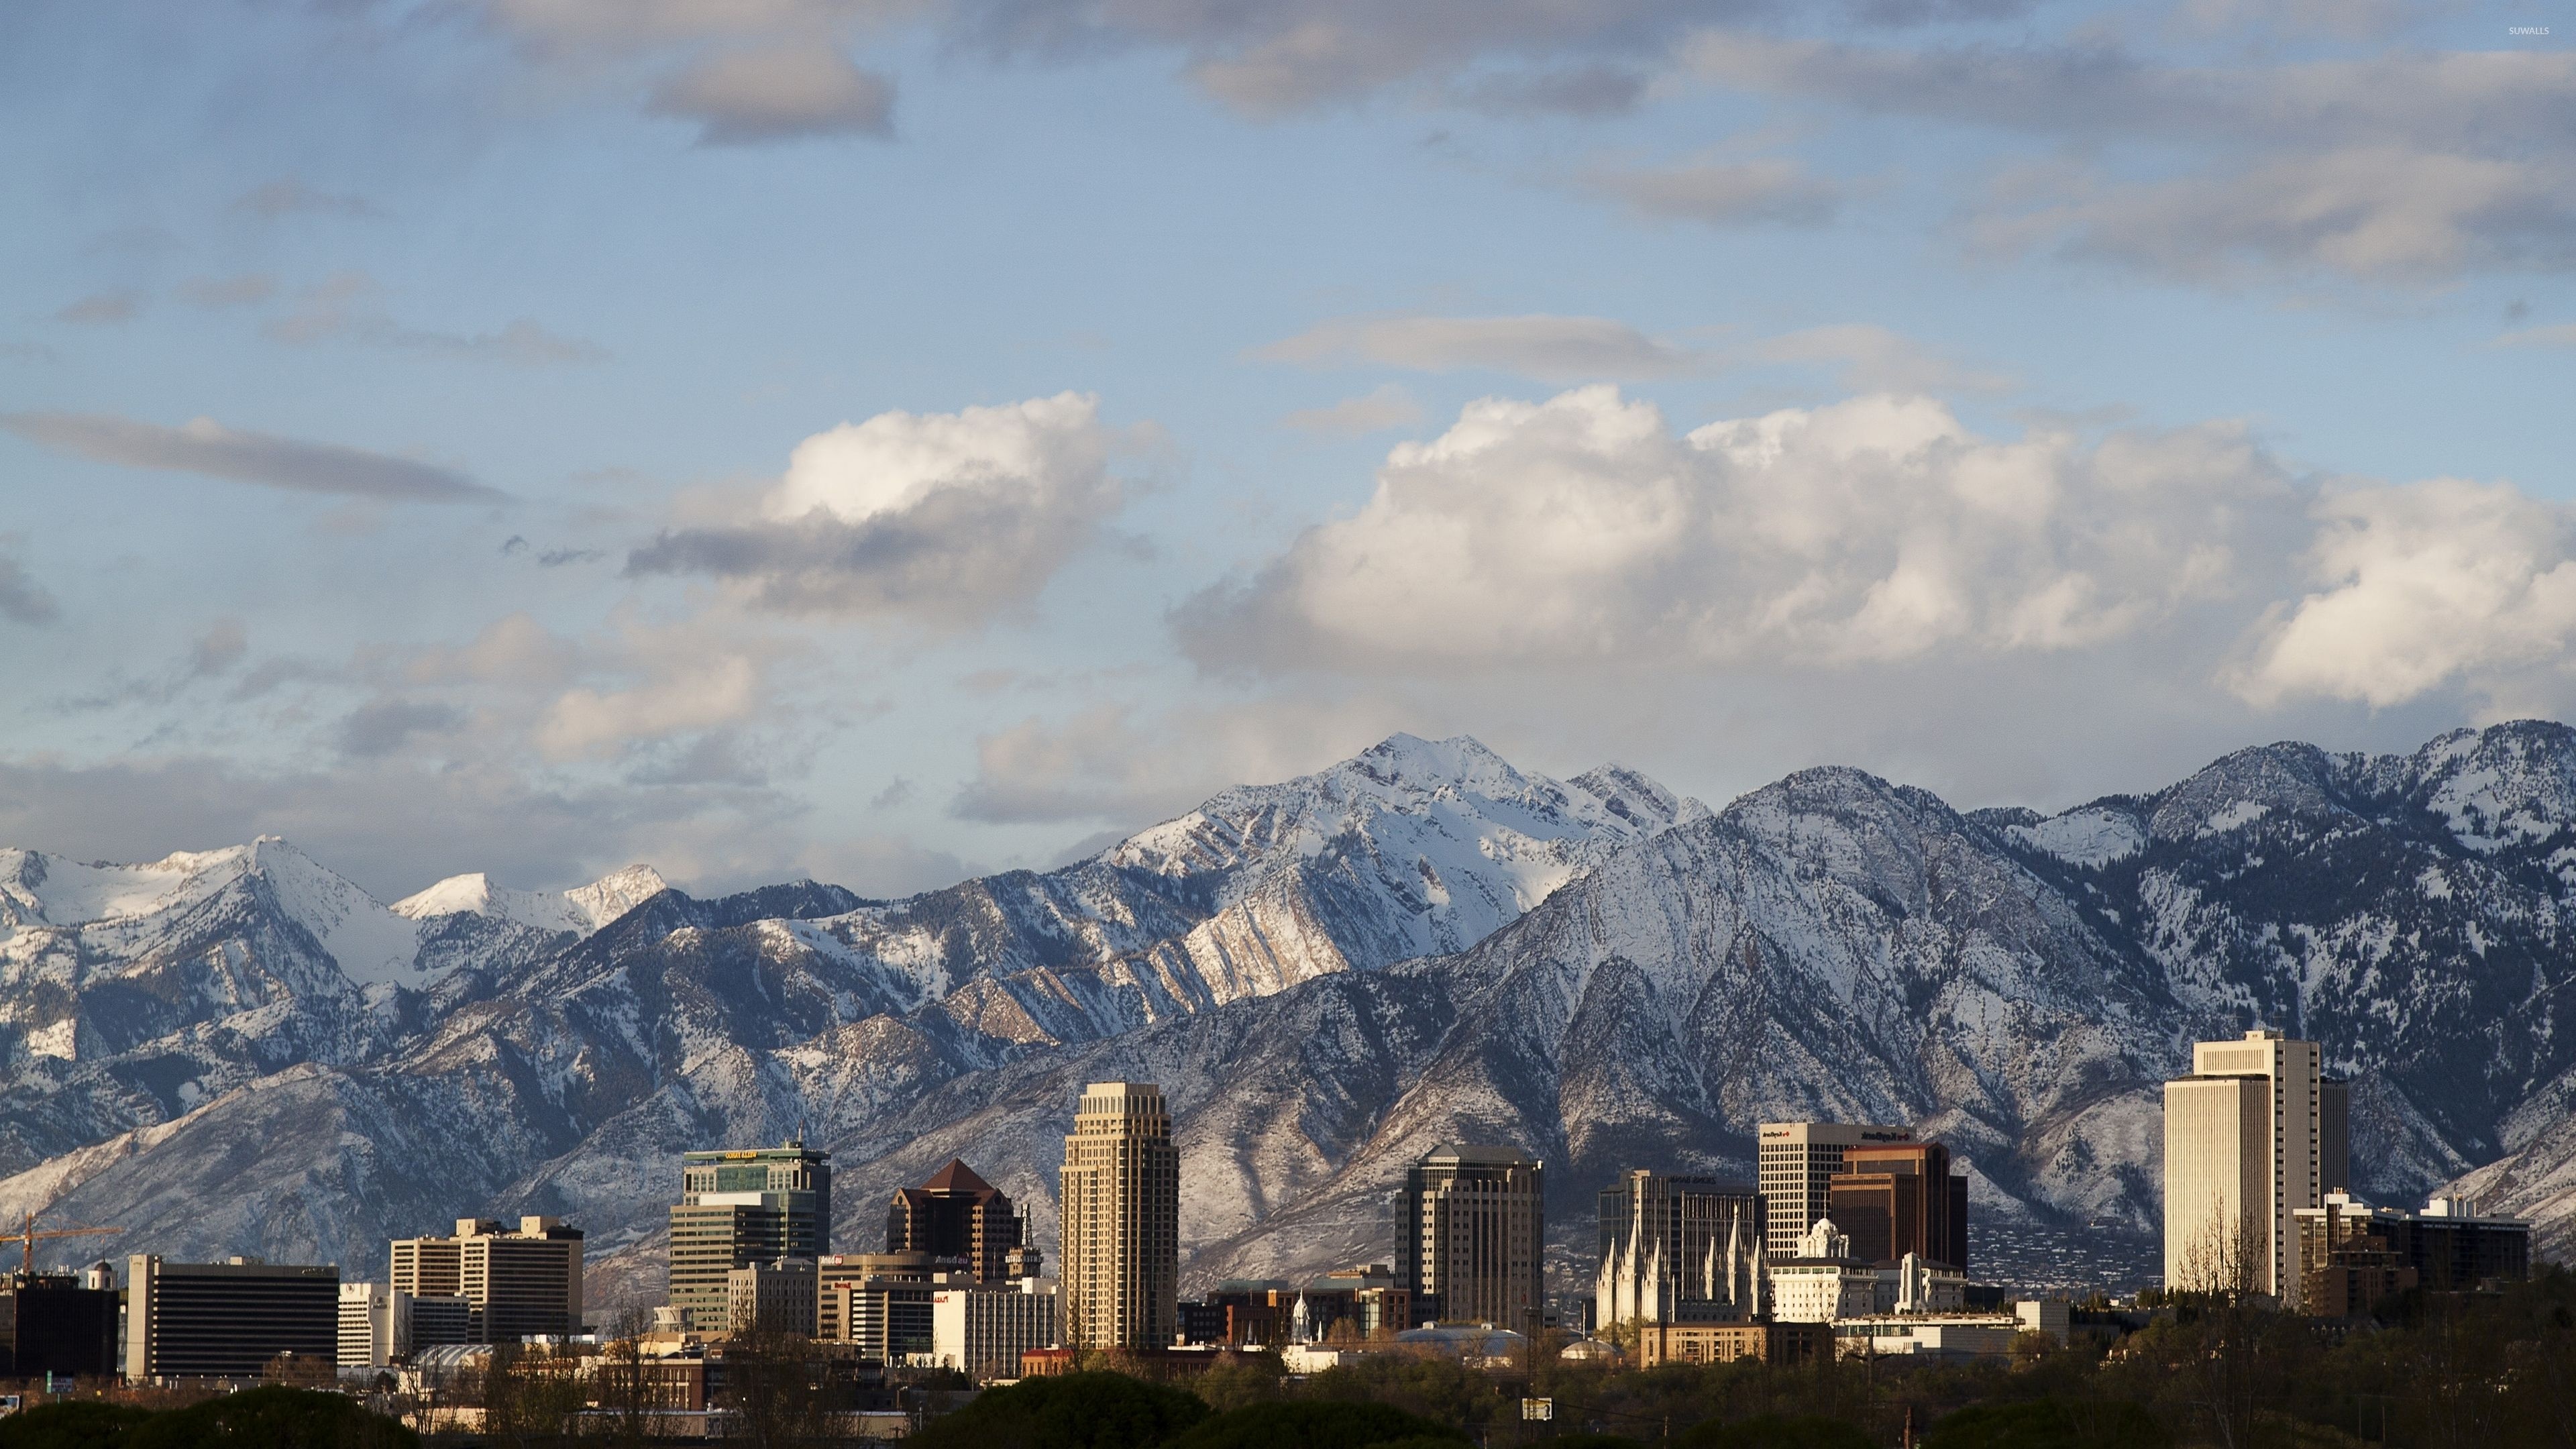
(1121, 1262)
(2250, 1138)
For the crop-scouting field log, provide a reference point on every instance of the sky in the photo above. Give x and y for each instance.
(896, 440)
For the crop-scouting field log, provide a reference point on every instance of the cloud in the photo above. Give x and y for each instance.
(945, 518)
(380, 727)
(1581, 529)
(1874, 359)
(2406, 168)
(207, 447)
(1546, 348)
(2382, 214)
(248, 289)
(783, 93)
(290, 197)
(2420, 585)
(22, 599)
(1720, 193)
(682, 696)
(102, 309)
(2561, 335)
(1130, 766)
(343, 309)
(1387, 405)
(1578, 90)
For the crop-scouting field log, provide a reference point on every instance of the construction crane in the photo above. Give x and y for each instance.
(27, 1235)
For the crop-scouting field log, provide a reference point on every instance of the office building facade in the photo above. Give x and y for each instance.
(981, 1329)
(382, 1325)
(2351, 1254)
(773, 1297)
(55, 1323)
(1678, 1250)
(1475, 1231)
(957, 1214)
(1820, 1281)
(2254, 1134)
(226, 1320)
(1798, 1161)
(1897, 1198)
(880, 1302)
(738, 1208)
(517, 1281)
(1120, 1263)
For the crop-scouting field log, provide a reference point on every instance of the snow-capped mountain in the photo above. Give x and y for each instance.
(1330, 974)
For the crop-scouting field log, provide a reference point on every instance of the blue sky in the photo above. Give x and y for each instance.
(403, 407)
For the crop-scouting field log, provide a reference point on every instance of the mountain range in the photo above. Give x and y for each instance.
(237, 1051)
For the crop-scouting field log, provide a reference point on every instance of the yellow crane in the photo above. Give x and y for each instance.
(27, 1235)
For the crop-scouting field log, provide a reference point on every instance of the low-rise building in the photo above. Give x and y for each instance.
(1821, 1281)
(227, 1320)
(1774, 1342)
(381, 1324)
(56, 1323)
(880, 1302)
(773, 1297)
(2352, 1254)
(982, 1329)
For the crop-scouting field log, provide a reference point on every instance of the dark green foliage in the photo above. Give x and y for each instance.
(71, 1424)
(273, 1418)
(1314, 1425)
(1588, 1441)
(1777, 1431)
(2049, 1424)
(1068, 1411)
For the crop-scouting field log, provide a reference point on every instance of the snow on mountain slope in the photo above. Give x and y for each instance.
(582, 910)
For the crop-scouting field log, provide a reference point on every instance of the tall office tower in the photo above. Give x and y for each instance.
(1799, 1159)
(226, 1320)
(519, 1281)
(957, 1215)
(2251, 1137)
(1900, 1198)
(1121, 1261)
(1678, 1250)
(1475, 1237)
(738, 1208)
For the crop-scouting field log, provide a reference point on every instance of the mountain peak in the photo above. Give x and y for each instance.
(581, 910)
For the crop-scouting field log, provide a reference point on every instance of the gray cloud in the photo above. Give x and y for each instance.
(249, 289)
(207, 447)
(289, 197)
(344, 309)
(22, 599)
(1874, 359)
(1580, 90)
(1720, 193)
(101, 309)
(380, 727)
(779, 93)
(1548, 348)
(1386, 406)
(2408, 167)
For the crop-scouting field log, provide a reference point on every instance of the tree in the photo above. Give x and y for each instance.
(1314, 1425)
(2049, 1424)
(529, 1396)
(275, 1417)
(1778, 1431)
(71, 1424)
(1068, 1411)
(771, 1387)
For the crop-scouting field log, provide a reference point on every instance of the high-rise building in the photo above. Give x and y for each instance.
(2254, 1134)
(1475, 1237)
(738, 1208)
(1798, 1162)
(1678, 1250)
(517, 1281)
(957, 1215)
(1122, 1220)
(1896, 1198)
(380, 1324)
(55, 1323)
(226, 1320)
